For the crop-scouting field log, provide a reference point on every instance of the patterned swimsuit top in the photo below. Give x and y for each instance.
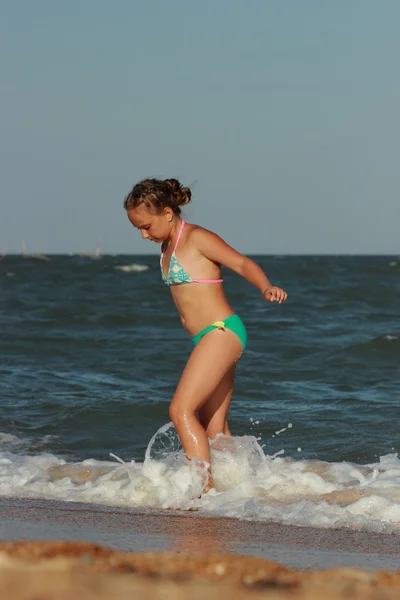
(176, 273)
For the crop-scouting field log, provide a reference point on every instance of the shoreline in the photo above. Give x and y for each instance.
(303, 548)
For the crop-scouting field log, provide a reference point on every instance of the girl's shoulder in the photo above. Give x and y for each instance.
(197, 232)
(213, 246)
(204, 240)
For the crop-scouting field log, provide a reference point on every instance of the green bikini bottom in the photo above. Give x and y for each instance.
(234, 323)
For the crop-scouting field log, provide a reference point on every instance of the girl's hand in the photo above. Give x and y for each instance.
(275, 294)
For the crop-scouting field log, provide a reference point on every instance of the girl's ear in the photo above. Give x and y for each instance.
(169, 213)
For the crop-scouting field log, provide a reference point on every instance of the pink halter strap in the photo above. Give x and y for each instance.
(179, 234)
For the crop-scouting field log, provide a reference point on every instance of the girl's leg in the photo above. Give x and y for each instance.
(213, 415)
(209, 362)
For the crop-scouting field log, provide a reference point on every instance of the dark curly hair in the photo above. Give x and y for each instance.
(157, 194)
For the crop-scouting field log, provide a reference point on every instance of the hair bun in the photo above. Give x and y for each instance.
(181, 195)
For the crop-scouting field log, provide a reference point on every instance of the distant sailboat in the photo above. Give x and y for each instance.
(97, 253)
(37, 255)
(42, 256)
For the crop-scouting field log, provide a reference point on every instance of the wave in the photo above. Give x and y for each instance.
(133, 268)
(248, 483)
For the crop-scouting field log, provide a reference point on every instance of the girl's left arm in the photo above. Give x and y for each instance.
(214, 248)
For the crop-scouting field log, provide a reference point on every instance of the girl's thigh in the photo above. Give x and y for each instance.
(209, 362)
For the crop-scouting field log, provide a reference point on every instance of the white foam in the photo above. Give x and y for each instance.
(133, 268)
(248, 483)
(8, 438)
(8, 441)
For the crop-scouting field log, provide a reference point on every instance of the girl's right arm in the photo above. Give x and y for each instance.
(251, 271)
(214, 248)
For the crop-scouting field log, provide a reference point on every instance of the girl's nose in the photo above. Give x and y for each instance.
(145, 235)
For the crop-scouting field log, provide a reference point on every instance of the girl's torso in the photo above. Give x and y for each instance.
(195, 283)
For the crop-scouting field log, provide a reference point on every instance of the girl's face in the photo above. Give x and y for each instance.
(154, 227)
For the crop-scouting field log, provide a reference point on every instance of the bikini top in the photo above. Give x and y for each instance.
(176, 273)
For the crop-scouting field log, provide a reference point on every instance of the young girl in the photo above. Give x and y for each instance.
(191, 259)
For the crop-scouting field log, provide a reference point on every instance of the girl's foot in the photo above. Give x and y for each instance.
(205, 472)
(208, 485)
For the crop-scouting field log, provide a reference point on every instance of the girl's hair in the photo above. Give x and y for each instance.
(156, 195)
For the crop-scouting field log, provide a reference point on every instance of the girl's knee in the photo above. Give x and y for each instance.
(178, 413)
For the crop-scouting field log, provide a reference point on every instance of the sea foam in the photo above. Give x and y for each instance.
(249, 484)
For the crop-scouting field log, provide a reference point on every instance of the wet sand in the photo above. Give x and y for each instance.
(302, 548)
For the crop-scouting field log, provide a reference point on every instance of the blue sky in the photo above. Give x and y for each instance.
(284, 115)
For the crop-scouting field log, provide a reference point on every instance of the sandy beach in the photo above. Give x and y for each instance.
(50, 570)
(66, 549)
(184, 532)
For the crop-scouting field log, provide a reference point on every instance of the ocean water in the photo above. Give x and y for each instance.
(91, 352)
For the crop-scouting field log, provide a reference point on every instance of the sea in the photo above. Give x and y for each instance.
(91, 351)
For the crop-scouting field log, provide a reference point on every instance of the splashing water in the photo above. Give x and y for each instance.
(248, 483)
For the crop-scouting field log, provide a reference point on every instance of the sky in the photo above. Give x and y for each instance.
(282, 116)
